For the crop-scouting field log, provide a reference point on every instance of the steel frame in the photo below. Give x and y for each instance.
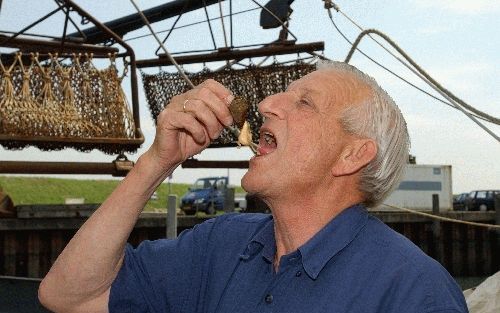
(65, 46)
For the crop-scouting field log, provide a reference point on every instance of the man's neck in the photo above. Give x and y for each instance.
(298, 219)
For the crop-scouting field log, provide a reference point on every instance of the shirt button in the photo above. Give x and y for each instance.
(269, 298)
(298, 274)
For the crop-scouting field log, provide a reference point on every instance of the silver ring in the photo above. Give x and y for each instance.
(184, 105)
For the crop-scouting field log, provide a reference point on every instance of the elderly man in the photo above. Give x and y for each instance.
(333, 144)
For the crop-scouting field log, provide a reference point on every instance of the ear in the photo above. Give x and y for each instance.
(356, 155)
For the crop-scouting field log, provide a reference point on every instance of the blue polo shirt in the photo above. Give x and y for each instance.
(354, 264)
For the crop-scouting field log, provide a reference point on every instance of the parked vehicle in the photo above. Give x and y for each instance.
(481, 200)
(459, 201)
(206, 195)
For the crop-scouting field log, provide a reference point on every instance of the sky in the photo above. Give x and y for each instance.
(455, 41)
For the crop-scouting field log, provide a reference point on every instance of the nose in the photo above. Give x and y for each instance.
(274, 106)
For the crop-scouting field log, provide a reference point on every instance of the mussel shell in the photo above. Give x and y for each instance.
(239, 108)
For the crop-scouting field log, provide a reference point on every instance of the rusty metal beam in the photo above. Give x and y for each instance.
(116, 168)
(193, 163)
(95, 141)
(224, 55)
(132, 22)
(45, 46)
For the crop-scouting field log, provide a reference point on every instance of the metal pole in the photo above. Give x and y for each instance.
(496, 252)
(497, 212)
(116, 168)
(436, 228)
(172, 217)
(234, 54)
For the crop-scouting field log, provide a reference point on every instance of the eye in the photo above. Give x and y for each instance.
(306, 103)
(303, 102)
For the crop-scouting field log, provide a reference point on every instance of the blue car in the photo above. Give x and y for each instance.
(206, 195)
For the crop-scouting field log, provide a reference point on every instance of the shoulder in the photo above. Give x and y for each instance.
(378, 236)
(398, 251)
(413, 271)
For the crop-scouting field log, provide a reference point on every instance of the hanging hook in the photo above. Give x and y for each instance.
(205, 67)
(112, 58)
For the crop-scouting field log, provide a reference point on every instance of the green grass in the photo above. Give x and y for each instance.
(43, 190)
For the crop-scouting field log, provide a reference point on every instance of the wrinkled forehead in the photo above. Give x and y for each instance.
(339, 87)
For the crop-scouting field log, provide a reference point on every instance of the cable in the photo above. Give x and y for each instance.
(231, 21)
(396, 75)
(442, 218)
(173, 26)
(458, 103)
(191, 24)
(277, 18)
(330, 4)
(234, 130)
(169, 56)
(419, 69)
(222, 22)
(444, 92)
(209, 24)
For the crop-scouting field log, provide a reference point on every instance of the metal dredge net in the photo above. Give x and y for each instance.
(55, 106)
(252, 83)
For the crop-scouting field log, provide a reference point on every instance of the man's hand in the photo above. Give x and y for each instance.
(189, 123)
(184, 129)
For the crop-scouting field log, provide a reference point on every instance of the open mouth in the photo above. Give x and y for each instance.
(267, 142)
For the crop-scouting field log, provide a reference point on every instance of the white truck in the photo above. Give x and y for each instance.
(418, 185)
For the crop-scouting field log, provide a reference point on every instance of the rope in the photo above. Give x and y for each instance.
(420, 70)
(169, 56)
(392, 72)
(442, 218)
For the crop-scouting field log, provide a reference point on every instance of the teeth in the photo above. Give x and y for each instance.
(268, 137)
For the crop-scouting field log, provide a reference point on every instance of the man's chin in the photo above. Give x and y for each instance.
(251, 183)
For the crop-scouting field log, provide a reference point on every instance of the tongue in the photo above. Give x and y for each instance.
(266, 148)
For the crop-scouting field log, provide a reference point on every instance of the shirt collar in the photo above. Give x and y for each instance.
(263, 240)
(323, 246)
(332, 238)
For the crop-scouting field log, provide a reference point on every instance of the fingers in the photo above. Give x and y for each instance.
(219, 90)
(191, 125)
(209, 104)
(204, 113)
(212, 95)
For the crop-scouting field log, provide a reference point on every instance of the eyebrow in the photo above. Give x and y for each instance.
(309, 91)
(305, 90)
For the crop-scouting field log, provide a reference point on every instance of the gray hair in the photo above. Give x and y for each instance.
(380, 119)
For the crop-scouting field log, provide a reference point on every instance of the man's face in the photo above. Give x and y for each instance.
(302, 138)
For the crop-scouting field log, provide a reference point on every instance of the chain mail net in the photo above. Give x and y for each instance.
(253, 84)
(55, 106)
